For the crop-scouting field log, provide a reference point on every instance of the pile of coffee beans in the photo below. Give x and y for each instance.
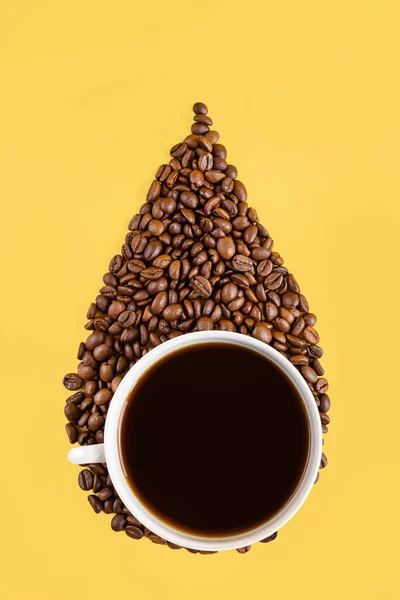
(195, 258)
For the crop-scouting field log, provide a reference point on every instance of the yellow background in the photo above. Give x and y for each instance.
(306, 97)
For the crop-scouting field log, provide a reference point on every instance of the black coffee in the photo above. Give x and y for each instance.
(214, 439)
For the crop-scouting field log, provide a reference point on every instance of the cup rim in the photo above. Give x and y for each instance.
(151, 521)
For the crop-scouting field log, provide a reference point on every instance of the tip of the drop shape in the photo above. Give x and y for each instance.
(199, 108)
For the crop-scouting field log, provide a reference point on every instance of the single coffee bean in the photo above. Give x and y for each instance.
(262, 332)
(95, 503)
(102, 352)
(134, 532)
(95, 422)
(72, 381)
(270, 538)
(243, 550)
(310, 335)
(309, 374)
(201, 286)
(72, 433)
(324, 461)
(200, 109)
(172, 312)
(85, 480)
(322, 386)
(154, 191)
(205, 324)
(226, 248)
(314, 351)
(102, 396)
(241, 263)
(72, 412)
(324, 403)
(118, 522)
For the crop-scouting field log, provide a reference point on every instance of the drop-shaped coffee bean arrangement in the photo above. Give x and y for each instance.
(195, 258)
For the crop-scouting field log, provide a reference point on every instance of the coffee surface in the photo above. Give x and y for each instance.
(214, 439)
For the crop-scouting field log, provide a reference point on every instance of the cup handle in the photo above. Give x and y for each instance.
(84, 455)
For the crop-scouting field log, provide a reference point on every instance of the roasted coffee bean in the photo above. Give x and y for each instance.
(76, 398)
(85, 480)
(270, 538)
(205, 119)
(72, 381)
(314, 351)
(72, 433)
(205, 324)
(95, 503)
(324, 403)
(324, 461)
(154, 191)
(102, 396)
(273, 281)
(241, 263)
(95, 422)
(322, 386)
(201, 286)
(200, 109)
(310, 335)
(118, 523)
(226, 248)
(299, 359)
(102, 352)
(262, 332)
(172, 312)
(309, 374)
(134, 532)
(316, 365)
(243, 550)
(72, 412)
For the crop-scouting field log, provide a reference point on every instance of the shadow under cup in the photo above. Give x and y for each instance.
(214, 439)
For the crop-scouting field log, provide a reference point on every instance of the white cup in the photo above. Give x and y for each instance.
(109, 451)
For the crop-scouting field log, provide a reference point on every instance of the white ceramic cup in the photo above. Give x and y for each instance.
(109, 451)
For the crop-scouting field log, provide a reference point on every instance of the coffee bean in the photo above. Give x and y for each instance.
(314, 351)
(243, 550)
(118, 523)
(105, 493)
(200, 109)
(270, 538)
(95, 503)
(178, 150)
(316, 365)
(134, 532)
(309, 374)
(102, 397)
(299, 359)
(262, 332)
(205, 324)
(324, 461)
(102, 352)
(95, 422)
(241, 263)
(85, 480)
(273, 281)
(324, 403)
(72, 381)
(322, 386)
(72, 412)
(72, 433)
(201, 286)
(310, 335)
(154, 191)
(226, 248)
(172, 312)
